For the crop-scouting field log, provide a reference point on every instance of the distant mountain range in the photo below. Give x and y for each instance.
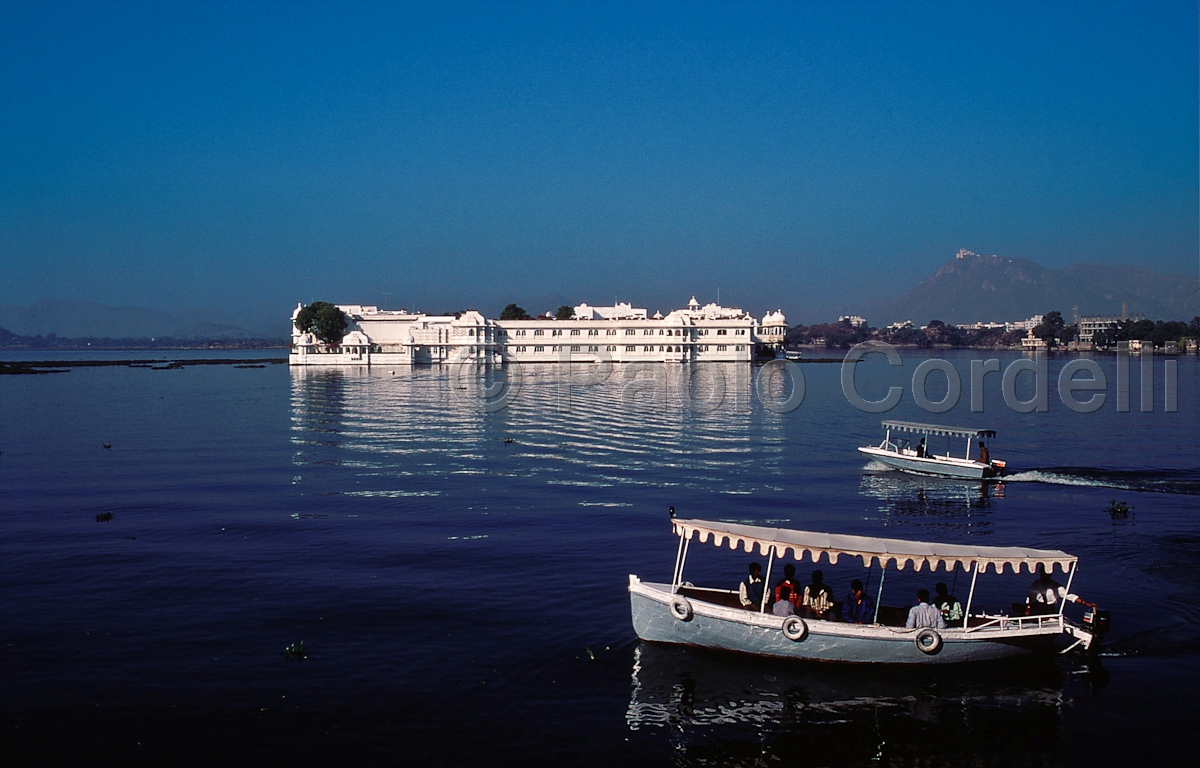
(968, 288)
(974, 288)
(85, 319)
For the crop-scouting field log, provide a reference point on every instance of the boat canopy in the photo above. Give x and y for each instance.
(898, 551)
(938, 429)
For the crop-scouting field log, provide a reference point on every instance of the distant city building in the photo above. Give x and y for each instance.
(1025, 325)
(983, 326)
(1089, 326)
(900, 325)
(1032, 343)
(620, 333)
(854, 320)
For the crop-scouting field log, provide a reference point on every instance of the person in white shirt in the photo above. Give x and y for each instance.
(923, 614)
(750, 591)
(1045, 593)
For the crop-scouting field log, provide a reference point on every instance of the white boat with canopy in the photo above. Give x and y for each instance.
(897, 451)
(679, 612)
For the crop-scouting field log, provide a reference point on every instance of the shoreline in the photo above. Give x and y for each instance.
(24, 367)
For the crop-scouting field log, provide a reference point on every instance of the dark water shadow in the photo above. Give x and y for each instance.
(730, 710)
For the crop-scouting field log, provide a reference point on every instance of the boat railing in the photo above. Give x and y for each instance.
(993, 623)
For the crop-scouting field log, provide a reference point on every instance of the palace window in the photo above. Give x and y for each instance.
(539, 349)
(575, 332)
(610, 332)
(575, 348)
(538, 332)
(557, 332)
(593, 349)
(630, 332)
(610, 348)
(721, 332)
(631, 349)
(720, 347)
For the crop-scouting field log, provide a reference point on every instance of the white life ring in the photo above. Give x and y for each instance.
(928, 641)
(794, 628)
(681, 608)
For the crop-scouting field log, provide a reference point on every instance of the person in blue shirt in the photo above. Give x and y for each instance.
(858, 607)
(923, 614)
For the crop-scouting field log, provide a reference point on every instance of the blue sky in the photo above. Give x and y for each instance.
(808, 156)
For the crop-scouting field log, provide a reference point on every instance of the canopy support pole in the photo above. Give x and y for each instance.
(678, 573)
(968, 456)
(970, 597)
(879, 599)
(1062, 604)
(762, 608)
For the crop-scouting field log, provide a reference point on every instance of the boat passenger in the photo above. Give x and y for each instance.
(859, 608)
(1045, 593)
(750, 591)
(784, 606)
(947, 603)
(818, 597)
(923, 614)
(789, 580)
(984, 457)
(921, 449)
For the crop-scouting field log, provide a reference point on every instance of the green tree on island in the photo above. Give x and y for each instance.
(324, 320)
(1050, 327)
(514, 312)
(564, 313)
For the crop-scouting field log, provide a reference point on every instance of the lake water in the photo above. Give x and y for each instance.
(453, 550)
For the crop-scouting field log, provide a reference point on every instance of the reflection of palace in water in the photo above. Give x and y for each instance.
(723, 708)
(406, 431)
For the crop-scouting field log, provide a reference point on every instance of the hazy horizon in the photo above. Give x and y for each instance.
(248, 156)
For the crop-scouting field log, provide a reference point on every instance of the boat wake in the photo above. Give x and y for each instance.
(1180, 481)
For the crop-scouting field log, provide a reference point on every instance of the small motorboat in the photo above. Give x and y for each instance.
(682, 613)
(898, 451)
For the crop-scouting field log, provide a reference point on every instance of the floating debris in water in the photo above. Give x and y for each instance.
(108, 446)
(104, 517)
(591, 655)
(296, 652)
(1119, 510)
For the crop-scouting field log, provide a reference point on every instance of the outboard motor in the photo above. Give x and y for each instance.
(1096, 622)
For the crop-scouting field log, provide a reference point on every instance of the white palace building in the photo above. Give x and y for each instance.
(621, 333)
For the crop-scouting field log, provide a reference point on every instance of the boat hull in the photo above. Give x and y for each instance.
(742, 631)
(933, 465)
